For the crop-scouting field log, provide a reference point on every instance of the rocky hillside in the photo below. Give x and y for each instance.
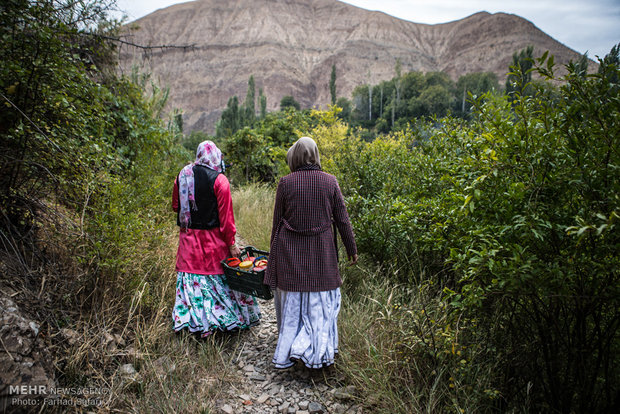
(290, 45)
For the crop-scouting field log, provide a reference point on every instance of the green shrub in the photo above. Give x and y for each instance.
(514, 218)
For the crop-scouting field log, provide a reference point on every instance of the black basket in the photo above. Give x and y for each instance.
(248, 281)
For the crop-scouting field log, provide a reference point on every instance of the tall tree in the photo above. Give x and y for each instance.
(263, 103)
(518, 80)
(250, 102)
(178, 121)
(332, 84)
(393, 107)
(398, 67)
(381, 102)
(369, 97)
(230, 121)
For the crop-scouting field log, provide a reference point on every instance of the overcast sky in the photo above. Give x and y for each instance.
(586, 26)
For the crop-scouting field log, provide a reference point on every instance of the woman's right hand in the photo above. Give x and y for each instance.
(234, 250)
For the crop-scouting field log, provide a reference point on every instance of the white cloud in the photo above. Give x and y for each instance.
(592, 26)
(134, 9)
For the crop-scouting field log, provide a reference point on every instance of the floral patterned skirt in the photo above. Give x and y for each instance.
(205, 303)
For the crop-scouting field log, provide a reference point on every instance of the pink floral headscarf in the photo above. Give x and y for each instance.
(207, 155)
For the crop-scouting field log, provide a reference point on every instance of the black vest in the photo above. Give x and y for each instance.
(206, 216)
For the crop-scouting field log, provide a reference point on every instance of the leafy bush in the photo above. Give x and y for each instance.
(514, 218)
(86, 174)
(259, 153)
(289, 102)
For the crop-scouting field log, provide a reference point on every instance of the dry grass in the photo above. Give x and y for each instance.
(401, 345)
(253, 205)
(175, 372)
(103, 321)
(95, 332)
(367, 342)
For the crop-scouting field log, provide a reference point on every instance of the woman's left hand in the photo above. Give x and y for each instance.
(353, 259)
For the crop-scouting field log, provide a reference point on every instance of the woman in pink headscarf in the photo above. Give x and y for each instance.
(201, 197)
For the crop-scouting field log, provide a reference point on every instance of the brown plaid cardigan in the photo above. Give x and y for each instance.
(303, 254)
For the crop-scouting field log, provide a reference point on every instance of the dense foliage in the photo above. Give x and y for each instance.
(510, 217)
(87, 239)
(238, 115)
(259, 153)
(391, 105)
(289, 101)
(75, 144)
(515, 217)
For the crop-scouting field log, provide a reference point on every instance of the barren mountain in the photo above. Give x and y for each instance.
(290, 45)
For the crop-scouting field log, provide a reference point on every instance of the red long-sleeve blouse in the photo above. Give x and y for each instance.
(200, 251)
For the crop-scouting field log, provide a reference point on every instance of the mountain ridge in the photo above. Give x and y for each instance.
(290, 45)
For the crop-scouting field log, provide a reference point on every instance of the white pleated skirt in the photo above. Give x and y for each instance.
(307, 328)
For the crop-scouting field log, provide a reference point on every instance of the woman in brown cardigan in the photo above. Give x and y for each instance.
(303, 263)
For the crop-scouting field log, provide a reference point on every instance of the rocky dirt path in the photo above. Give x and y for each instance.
(264, 389)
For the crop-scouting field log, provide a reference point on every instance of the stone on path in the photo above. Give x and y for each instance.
(345, 393)
(127, 370)
(338, 408)
(315, 408)
(284, 407)
(128, 373)
(262, 398)
(227, 409)
(257, 377)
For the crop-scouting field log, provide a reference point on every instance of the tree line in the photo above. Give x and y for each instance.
(393, 104)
